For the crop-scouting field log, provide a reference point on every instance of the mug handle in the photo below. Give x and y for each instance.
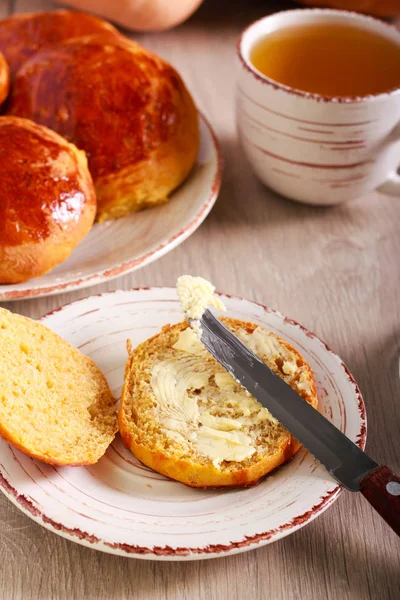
(392, 185)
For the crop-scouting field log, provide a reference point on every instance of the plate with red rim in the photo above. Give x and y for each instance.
(122, 507)
(117, 247)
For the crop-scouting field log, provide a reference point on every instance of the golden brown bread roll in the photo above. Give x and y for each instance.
(22, 35)
(127, 108)
(47, 199)
(186, 417)
(4, 79)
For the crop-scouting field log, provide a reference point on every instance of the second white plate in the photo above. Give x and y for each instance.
(117, 247)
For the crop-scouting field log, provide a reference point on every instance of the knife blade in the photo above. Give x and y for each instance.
(342, 458)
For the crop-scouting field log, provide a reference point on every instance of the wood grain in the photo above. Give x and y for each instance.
(337, 270)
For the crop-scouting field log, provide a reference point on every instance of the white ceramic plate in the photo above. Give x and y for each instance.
(121, 506)
(117, 247)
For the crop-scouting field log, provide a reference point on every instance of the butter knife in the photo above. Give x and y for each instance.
(349, 465)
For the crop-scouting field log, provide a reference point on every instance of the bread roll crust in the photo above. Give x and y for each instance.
(4, 79)
(185, 470)
(48, 202)
(127, 108)
(22, 35)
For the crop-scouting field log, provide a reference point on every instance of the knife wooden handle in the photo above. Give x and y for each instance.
(381, 488)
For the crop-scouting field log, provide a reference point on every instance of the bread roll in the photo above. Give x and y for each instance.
(4, 79)
(47, 199)
(186, 417)
(126, 107)
(22, 35)
(55, 403)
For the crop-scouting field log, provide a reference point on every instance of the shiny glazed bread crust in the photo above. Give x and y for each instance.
(22, 35)
(127, 108)
(4, 79)
(47, 199)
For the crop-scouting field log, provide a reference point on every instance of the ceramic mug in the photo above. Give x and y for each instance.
(312, 148)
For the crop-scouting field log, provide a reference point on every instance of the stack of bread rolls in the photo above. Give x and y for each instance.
(124, 107)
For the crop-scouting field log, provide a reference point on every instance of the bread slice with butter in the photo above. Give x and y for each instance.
(55, 404)
(184, 416)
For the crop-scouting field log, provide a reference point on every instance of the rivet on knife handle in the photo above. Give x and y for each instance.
(381, 488)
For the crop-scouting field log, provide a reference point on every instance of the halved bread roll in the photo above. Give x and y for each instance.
(124, 106)
(55, 404)
(184, 416)
(24, 34)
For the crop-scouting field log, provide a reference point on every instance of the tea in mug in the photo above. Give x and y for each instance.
(329, 59)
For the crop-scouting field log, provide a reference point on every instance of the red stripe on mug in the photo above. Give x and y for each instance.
(274, 112)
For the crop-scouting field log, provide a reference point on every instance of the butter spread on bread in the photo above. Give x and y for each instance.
(183, 415)
(220, 436)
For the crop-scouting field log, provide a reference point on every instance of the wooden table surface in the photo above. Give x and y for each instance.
(337, 271)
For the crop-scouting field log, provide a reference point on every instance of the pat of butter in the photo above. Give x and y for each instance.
(260, 342)
(171, 381)
(195, 294)
(265, 415)
(304, 383)
(225, 381)
(220, 423)
(242, 401)
(189, 342)
(289, 368)
(224, 445)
